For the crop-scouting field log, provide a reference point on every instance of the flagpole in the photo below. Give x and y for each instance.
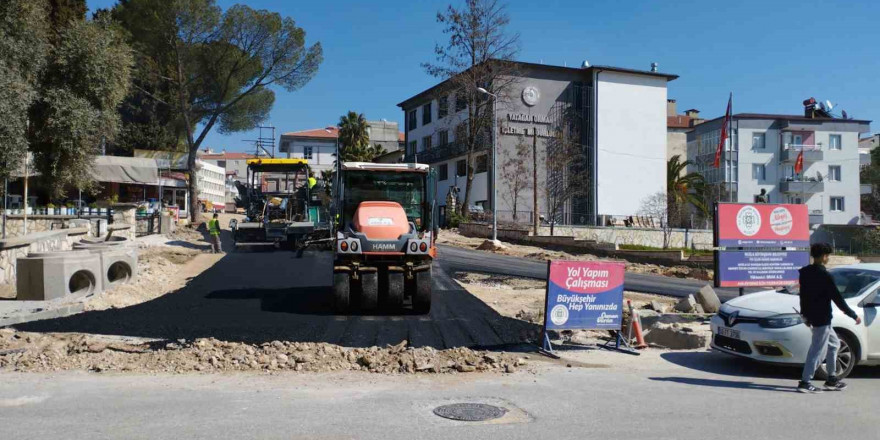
(730, 149)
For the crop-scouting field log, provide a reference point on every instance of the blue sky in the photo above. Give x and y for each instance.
(770, 54)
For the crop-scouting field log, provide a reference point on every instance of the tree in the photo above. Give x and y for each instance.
(655, 206)
(214, 68)
(24, 48)
(517, 173)
(477, 55)
(567, 175)
(684, 189)
(86, 79)
(66, 76)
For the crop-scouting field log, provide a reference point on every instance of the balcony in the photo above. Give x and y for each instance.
(812, 153)
(440, 153)
(802, 186)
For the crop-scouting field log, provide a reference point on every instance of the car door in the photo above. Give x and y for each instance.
(871, 308)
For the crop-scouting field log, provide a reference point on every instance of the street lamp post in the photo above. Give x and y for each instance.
(494, 162)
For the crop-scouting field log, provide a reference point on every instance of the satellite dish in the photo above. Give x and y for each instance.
(822, 106)
(585, 65)
(844, 114)
(828, 105)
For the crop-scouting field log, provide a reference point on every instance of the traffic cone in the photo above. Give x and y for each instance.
(636, 327)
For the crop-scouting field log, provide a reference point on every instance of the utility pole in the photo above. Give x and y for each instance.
(535, 183)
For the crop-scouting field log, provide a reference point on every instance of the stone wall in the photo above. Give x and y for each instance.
(698, 238)
(48, 241)
(576, 244)
(35, 223)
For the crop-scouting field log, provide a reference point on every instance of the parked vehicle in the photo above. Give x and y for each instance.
(767, 326)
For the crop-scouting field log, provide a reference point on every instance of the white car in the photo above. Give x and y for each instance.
(766, 326)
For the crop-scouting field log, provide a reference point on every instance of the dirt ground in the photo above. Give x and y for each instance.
(451, 237)
(38, 352)
(523, 298)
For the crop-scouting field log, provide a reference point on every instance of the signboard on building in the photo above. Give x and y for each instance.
(584, 295)
(749, 268)
(761, 225)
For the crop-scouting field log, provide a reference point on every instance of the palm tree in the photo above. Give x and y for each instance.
(353, 136)
(684, 188)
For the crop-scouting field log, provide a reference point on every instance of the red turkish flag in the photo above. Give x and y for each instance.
(723, 133)
(799, 162)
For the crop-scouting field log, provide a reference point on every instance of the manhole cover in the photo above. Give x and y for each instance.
(470, 412)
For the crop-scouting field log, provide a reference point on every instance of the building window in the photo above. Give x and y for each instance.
(759, 172)
(426, 143)
(412, 147)
(757, 141)
(307, 153)
(837, 204)
(285, 147)
(460, 102)
(834, 142)
(834, 173)
(426, 114)
(461, 168)
(442, 138)
(411, 120)
(444, 172)
(442, 107)
(221, 163)
(482, 164)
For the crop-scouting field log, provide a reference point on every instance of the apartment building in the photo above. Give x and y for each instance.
(762, 154)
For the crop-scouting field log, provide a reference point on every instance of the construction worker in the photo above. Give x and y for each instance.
(214, 229)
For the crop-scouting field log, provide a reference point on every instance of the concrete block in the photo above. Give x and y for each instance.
(707, 298)
(677, 338)
(658, 306)
(52, 275)
(118, 256)
(686, 305)
(698, 308)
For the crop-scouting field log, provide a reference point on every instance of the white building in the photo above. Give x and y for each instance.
(318, 145)
(620, 115)
(235, 164)
(762, 155)
(211, 184)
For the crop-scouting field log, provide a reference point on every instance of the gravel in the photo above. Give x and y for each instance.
(37, 352)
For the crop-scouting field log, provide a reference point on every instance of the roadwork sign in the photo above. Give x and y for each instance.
(585, 295)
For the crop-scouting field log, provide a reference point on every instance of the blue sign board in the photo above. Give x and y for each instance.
(759, 268)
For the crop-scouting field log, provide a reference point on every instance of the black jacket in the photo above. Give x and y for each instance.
(817, 292)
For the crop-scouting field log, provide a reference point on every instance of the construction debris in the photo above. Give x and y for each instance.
(707, 298)
(36, 352)
(678, 336)
(686, 305)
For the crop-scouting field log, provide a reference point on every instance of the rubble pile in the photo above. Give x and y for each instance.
(53, 352)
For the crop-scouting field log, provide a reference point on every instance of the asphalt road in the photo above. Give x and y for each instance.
(458, 259)
(681, 396)
(263, 296)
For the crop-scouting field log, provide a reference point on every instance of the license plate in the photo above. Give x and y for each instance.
(729, 332)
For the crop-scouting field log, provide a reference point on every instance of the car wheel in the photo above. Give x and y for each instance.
(847, 358)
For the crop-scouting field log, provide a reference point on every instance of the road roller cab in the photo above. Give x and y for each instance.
(384, 236)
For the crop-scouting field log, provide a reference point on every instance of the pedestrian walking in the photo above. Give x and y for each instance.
(214, 229)
(818, 291)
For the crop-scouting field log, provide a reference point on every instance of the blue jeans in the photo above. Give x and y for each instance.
(824, 342)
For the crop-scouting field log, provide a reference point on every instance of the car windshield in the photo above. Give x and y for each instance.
(405, 188)
(850, 282)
